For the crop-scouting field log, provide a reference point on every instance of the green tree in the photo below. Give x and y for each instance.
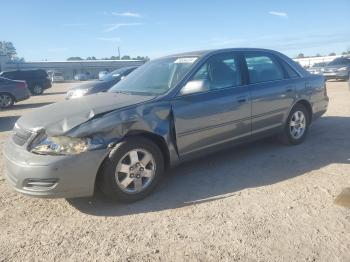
(301, 55)
(318, 55)
(18, 59)
(7, 48)
(332, 54)
(126, 57)
(144, 58)
(91, 58)
(74, 58)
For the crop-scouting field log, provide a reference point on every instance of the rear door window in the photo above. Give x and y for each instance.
(290, 72)
(263, 67)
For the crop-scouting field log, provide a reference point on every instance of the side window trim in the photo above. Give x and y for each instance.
(282, 64)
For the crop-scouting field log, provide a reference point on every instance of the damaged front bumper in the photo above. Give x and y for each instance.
(52, 176)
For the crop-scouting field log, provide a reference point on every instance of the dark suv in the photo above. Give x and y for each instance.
(37, 80)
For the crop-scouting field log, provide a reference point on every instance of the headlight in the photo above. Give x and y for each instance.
(342, 68)
(61, 145)
(77, 93)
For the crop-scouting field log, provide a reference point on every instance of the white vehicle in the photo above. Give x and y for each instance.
(102, 74)
(57, 77)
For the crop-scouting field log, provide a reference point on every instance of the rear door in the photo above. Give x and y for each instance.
(272, 93)
(216, 116)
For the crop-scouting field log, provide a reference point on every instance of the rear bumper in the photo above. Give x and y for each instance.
(51, 176)
(21, 95)
(47, 85)
(319, 108)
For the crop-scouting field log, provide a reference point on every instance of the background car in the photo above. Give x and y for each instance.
(57, 77)
(37, 79)
(339, 68)
(102, 74)
(317, 68)
(81, 77)
(12, 91)
(101, 85)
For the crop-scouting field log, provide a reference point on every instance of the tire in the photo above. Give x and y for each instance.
(37, 90)
(289, 135)
(6, 100)
(131, 183)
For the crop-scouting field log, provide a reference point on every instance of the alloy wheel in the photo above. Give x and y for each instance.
(5, 100)
(37, 90)
(297, 125)
(135, 171)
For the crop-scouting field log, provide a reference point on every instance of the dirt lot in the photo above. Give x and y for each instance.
(258, 202)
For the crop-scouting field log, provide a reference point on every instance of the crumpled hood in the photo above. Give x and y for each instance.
(61, 117)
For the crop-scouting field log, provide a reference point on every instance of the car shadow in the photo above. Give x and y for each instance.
(7, 122)
(224, 174)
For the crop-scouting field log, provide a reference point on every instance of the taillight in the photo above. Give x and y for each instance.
(22, 85)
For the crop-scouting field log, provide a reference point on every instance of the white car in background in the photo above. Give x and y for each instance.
(102, 74)
(317, 68)
(57, 77)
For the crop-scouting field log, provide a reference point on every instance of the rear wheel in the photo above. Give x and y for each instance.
(297, 126)
(132, 170)
(6, 100)
(37, 89)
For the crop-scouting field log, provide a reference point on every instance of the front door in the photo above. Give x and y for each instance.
(217, 116)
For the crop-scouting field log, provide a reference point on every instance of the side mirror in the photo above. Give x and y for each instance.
(195, 86)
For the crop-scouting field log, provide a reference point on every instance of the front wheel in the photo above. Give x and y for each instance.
(296, 127)
(37, 90)
(132, 170)
(6, 100)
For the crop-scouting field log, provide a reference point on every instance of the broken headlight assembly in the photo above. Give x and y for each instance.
(62, 145)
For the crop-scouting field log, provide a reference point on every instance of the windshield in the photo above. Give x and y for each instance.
(340, 61)
(114, 74)
(155, 77)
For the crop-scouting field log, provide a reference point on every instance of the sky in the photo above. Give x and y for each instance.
(55, 30)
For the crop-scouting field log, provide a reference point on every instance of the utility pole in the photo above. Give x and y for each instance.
(118, 53)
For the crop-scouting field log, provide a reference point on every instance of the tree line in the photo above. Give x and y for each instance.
(301, 55)
(125, 57)
(8, 49)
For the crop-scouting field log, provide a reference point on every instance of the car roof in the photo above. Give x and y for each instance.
(201, 53)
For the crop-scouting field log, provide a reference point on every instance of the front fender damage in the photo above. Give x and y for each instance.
(109, 129)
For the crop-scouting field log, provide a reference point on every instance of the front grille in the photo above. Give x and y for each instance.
(20, 136)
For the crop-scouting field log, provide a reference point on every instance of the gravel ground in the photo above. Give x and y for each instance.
(257, 202)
